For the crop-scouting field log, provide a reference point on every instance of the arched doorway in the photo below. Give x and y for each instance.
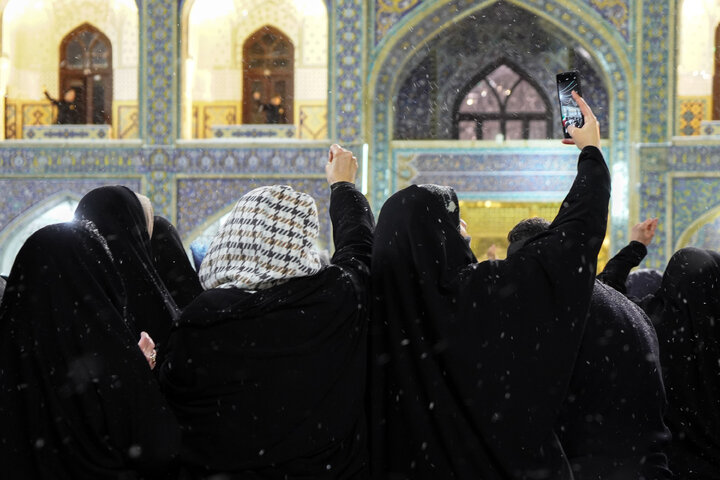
(86, 67)
(268, 74)
(487, 170)
(56, 209)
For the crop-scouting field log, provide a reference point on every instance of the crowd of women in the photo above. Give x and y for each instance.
(401, 357)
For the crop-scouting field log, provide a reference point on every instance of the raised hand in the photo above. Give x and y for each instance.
(342, 165)
(644, 232)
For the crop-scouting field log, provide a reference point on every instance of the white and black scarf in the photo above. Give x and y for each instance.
(269, 238)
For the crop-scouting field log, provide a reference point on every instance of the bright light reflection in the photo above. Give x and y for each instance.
(310, 7)
(208, 10)
(62, 212)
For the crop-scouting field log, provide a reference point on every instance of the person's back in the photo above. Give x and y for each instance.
(643, 282)
(125, 220)
(266, 368)
(611, 425)
(685, 312)
(77, 398)
(470, 361)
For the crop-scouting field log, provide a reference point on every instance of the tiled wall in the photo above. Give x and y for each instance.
(369, 48)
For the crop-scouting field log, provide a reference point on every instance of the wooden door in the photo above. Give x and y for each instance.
(268, 70)
(86, 66)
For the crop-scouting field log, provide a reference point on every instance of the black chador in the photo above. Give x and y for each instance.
(119, 217)
(611, 425)
(173, 264)
(470, 362)
(77, 397)
(686, 313)
(266, 368)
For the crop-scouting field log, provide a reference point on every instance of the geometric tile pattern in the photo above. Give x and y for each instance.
(158, 22)
(578, 21)
(23, 193)
(491, 174)
(390, 12)
(127, 122)
(313, 122)
(67, 132)
(688, 193)
(37, 113)
(200, 199)
(710, 127)
(302, 167)
(691, 112)
(213, 114)
(615, 12)
(22, 113)
(679, 184)
(11, 121)
(657, 71)
(346, 70)
(184, 179)
(254, 131)
(708, 235)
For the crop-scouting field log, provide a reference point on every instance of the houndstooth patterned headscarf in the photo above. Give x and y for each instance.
(269, 238)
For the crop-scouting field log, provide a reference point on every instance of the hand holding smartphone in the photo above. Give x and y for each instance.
(570, 112)
(585, 128)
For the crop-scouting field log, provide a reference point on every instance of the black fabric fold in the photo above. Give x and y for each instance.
(119, 217)
(173, 264)
(77, 397)
(270, 384)
(470, 362)
(611, 425)
(686, 313)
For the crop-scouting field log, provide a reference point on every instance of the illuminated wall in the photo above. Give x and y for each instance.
(212, 55)
(370, 47)
(696, 48)
(31, 37)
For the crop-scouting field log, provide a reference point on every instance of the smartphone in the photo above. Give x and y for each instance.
(569, 110)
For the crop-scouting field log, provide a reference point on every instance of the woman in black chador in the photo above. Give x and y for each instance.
(266, 368)
(77, 397)
(470, 362)
(611, 424)
(125, 220)
(173, 264)
(686, 313)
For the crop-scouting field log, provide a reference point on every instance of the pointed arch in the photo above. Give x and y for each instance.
(707, 221)
(86, 67)
(54, 209)
(579, 24)
(502, 116)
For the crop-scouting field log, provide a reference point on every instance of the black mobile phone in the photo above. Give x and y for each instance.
(569, 110)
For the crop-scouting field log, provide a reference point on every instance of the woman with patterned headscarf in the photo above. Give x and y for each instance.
(266, 368)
